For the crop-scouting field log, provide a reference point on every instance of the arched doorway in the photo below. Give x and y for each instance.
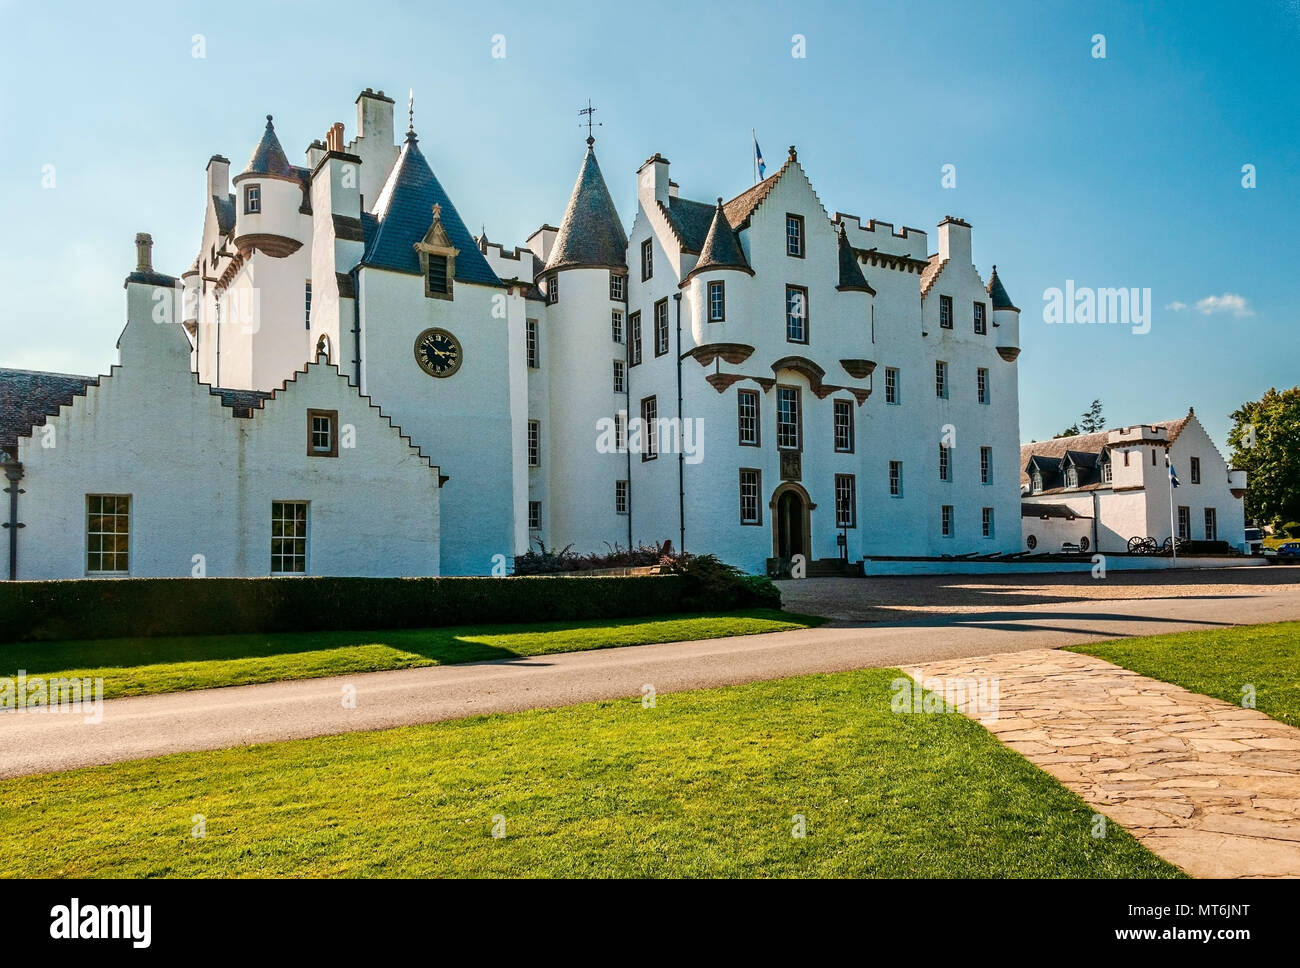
(790, 521)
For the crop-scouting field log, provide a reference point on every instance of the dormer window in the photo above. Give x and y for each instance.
(1071, 477)
(252, 199)
(437, 259)
(1107, 474)
(1036, 486)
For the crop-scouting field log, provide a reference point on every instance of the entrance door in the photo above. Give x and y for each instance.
(791, 514)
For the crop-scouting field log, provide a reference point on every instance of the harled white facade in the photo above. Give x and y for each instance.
(781, 423)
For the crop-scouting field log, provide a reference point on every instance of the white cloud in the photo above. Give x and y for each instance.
(1229, 302)
(1176, 306)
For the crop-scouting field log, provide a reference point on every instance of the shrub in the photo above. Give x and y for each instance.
(131, 607)
(709, 584)
(544, 561)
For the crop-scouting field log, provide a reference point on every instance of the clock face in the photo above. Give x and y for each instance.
(437, 352)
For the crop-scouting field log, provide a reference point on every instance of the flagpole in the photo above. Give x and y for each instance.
(1173, 533)
(753, 154)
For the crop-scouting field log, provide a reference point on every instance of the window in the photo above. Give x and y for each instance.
(1211, 525)
(647, 259)
(288, 537)
(986, 522)
(620, 373)
(1153, 457)
(534, 515)
(794, 236)
(787, 418)
(616, 325)
(717, 302)
(846, 501)
(1185, 522)
(891, 385)
(747, 416)
(1196, 470)
(108, 534)
(844, 426)
(895, 478)
(616, 289)
(982, 385)
(634, 334)
(1126, 453)
(986, 465)
(1071, 477)
(945, 469)
(553, 288)
(661, 327)
(322, 433)
(1107, 472)
(941, 379)
(945, 312)
(534, 443)
(796, 314)
(252, 199)
(1037, 484)
(620, 431)
(945, 520)
(306, 317)
(620, 497)
(981, 322)
(530, 341)
(750, 487)
(436, 275)
(649, 428)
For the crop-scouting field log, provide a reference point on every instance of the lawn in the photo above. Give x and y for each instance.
(142, 666)
(1219, 662)
(705, 783)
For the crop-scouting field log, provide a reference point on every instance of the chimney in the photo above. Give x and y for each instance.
(652, 181)
(374, 116)
(218, 176)
(143, 252)
(334, 137)
(954, 241)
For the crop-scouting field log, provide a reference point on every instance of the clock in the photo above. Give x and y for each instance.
(438, 352)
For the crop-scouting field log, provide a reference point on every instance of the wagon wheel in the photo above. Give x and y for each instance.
(1149, 546)
(1167, 546)
(1135, 545)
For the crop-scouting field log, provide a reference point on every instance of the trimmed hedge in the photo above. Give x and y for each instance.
(145, 607)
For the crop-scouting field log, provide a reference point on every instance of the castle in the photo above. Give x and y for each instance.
(346, 381)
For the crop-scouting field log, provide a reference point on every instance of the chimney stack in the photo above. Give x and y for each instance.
(334, 138)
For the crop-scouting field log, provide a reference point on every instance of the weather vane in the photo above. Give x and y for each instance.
(589, 111)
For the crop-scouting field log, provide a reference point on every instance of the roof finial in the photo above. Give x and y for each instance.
(410, 111)
(269, 125)
(794, 155)
(589, 111)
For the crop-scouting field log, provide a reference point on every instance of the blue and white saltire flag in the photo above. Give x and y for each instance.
(758, 158)
(1173, 478)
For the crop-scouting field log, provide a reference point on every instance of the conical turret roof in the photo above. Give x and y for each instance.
(268, 157)
(721, 248)
(591, 235)
(998, 293)
(851, 277)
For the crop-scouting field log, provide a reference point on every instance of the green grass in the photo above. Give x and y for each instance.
(705, 783)
(143, 666)
(1219, 663)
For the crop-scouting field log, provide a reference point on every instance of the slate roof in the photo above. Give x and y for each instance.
(268, 157)
(851, 276)
(1083, 450)
(740, 208)
(237, 400)
(690, 220)
(1028, 510)
(27, 397)
(998, 293)
(590, 232)
(934, 266)
(225, 209)
(721, 248)
(403, 213)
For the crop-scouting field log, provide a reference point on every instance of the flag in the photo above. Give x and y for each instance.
(1173, 478)
(758, 158)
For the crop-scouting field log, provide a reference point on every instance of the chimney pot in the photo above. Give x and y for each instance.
(143, 252)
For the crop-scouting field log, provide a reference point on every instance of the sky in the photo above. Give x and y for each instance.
(1122, 171)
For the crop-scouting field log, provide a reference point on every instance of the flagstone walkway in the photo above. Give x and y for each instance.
(1211, 787)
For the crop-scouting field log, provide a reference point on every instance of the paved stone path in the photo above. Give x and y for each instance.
(1211, 787)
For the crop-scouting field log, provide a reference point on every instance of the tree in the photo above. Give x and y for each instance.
(1070, 431)
(1093, 421)
(1265, 442)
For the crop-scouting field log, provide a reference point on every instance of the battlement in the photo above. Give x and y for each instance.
(1140, 434)
(882, 236)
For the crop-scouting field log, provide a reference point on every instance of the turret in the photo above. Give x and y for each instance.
(1006, 317)
(269, 201)
(712, 301)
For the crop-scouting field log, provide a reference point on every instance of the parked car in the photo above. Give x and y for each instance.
(1288, 553)
(1254, 541)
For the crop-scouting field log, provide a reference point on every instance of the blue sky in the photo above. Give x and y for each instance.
(1116, 172)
